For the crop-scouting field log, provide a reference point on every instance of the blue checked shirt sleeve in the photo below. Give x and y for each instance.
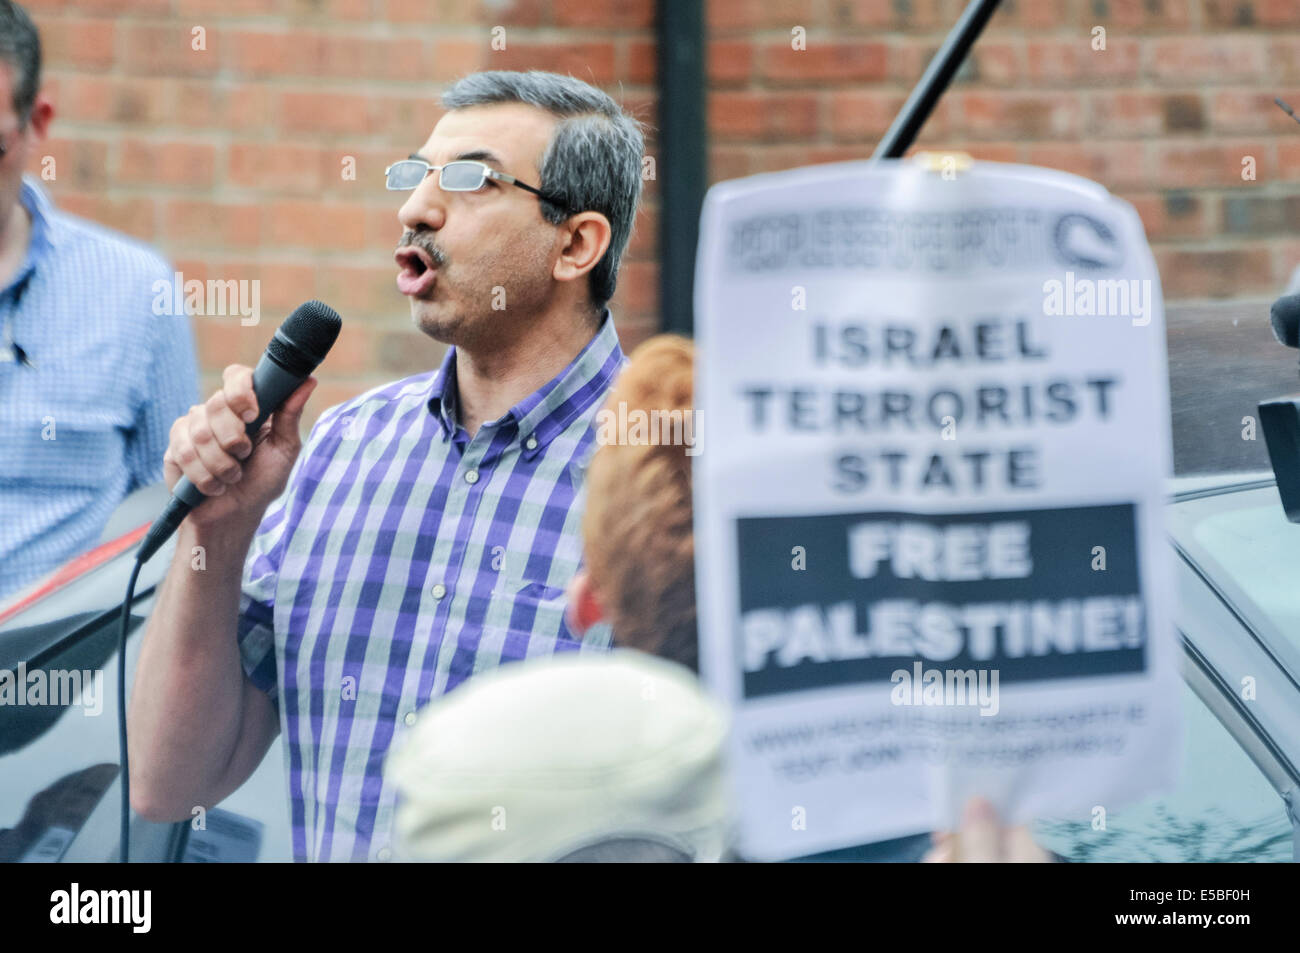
(172, 388)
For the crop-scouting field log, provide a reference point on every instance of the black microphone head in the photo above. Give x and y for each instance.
(305, 337)
(1285, 318)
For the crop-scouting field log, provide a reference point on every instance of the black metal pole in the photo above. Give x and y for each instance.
(682, 170)
(935, 80)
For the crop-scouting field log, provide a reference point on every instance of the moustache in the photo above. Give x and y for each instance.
(417, 240)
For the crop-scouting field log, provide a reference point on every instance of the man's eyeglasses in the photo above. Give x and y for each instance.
(462, 175)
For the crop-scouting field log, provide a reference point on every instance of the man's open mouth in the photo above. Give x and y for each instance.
(418, 273)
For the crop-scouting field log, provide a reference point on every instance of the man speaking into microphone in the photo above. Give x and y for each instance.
(428, 528)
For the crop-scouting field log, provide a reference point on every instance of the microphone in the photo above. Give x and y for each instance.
(299, 345)
(1285, 318)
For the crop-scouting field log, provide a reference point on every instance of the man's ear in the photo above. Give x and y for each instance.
(41, 117)
(588, 235)
(583, 609)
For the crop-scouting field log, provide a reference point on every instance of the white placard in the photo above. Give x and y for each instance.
(938, 434)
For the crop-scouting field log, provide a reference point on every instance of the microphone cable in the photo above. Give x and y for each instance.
(125, 851)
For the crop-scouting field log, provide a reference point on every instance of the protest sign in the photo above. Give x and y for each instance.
(930, 554)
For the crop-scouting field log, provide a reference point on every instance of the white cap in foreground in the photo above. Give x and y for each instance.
(538, 759)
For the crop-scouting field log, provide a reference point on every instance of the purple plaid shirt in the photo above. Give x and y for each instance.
(402, 558)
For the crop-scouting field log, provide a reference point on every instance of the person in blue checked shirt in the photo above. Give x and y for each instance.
(427, 529)
(90, 378)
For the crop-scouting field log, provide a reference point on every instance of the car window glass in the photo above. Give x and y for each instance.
(1257, 547)
(1222, 810)
(58, 742)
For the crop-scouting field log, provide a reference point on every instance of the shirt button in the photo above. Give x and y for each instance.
(531, 443)
(383, 854)
(471, 476)
(409, 719)
(439, 591)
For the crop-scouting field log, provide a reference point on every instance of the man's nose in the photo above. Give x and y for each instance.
(425, 206)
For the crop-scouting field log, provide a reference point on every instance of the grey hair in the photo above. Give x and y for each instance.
(20, 47)
(593, 161)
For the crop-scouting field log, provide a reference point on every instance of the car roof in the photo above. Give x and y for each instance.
(1197, 484)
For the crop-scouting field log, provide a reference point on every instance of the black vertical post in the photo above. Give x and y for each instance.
(682, 164)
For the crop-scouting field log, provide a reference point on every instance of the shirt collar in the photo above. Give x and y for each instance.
(442, 399)
(41, 209)
(549, 410)
(40, 242)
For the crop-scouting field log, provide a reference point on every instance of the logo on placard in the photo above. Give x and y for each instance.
(1086, 242)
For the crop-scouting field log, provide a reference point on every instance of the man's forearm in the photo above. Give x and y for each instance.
(187, 703)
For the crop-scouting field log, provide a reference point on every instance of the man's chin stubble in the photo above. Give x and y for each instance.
(439, 327)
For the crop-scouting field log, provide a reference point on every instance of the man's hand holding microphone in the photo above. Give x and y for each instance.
(210, 447)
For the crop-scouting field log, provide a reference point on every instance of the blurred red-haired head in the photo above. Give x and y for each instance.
(637, 530)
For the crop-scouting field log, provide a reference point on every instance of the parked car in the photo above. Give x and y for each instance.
(59, 793)
(1238, 614)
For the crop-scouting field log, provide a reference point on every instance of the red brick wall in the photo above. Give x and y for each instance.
(230, 159)
(1162, 117)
